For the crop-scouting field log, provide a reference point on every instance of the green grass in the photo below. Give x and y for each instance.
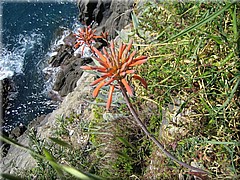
(194, 65)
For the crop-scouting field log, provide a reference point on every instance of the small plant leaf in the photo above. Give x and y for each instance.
(51, 160)
(79, 174)
(125, 142)
(135, 21)
(60, 142)
(10, 177)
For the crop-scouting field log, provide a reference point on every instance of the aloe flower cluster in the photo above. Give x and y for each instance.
(86, 35)
(115, 65)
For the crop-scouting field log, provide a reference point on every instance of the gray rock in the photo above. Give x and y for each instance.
(59, 81)
(70, 39)
(69, 75)
(64, 52)
(111, 15)
(17, 131)
(17, 158)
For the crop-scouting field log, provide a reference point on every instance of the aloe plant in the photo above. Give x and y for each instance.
(114, 66)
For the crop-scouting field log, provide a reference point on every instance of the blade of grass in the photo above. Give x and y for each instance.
(125, 142)
(224, 61)
(231, 95)
(60, 142)
(53, 162)
(232, 158)
(200, 23)
(10, 177)
(234, 22)
(223, 143)
(80, 175)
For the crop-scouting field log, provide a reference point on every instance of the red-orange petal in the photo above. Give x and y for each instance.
(128, 88)
(123, 67)
(96, 90)
(97, 81)
(139, 58)
(113, 53)
(112, 48)
(108, 74)
(138, 62)
(124, 54)
(109, 101)
(130, 71)
(78, 44)
(99, 69)
(131, 57)
(129, 45)
(90, 36)
(99, 54)
(105, 52)
(102, 70)
(144, 83)
(123, 73)
(109, 82)
(104, 64)
(107, 57)
(120, 51)
(86, 67)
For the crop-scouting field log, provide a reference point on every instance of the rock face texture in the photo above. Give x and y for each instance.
(111, 15)
(74, 102)
(70, 70)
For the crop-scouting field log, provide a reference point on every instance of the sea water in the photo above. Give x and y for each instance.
(29, 29)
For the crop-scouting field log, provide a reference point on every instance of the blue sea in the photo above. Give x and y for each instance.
(29, 30)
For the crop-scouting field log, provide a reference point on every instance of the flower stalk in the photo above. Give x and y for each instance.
(152, 137)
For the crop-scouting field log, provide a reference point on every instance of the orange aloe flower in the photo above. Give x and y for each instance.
(115, 65)
(86, 35)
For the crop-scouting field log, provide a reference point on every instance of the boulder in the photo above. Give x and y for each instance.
(111, 15)
(63, 52)
(68, 76)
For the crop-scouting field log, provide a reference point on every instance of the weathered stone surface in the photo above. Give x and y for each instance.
(69, 74)
(64, 52)
(74, 102)
(17, 131)
(111, 15)
(17, 158)
(70, 39)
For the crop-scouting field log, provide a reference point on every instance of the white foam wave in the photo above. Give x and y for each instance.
(12, 60)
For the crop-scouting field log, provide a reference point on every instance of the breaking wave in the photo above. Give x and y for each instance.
(12, 59)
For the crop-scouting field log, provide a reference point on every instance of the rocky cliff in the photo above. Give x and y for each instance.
(71, 82)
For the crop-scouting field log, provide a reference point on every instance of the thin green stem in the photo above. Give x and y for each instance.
(145, 130)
